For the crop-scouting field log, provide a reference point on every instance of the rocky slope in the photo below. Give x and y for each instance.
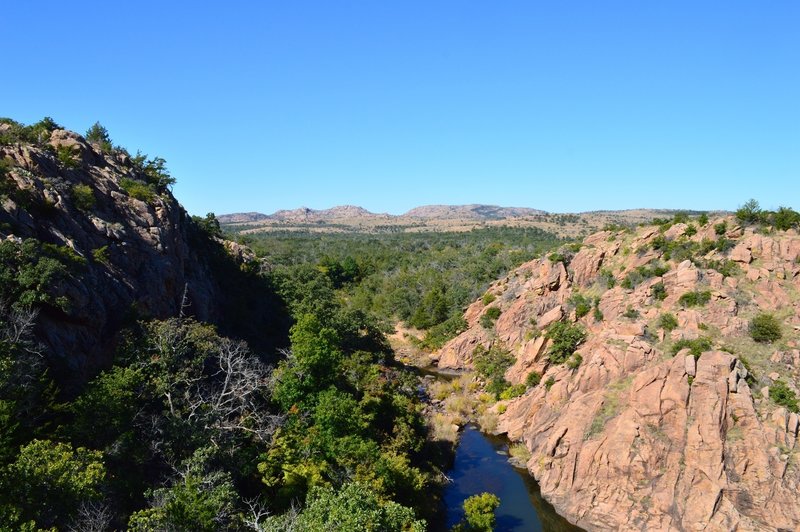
(638, 437)
(138, 258)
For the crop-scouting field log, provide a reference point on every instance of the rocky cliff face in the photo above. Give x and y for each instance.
(142, 258)
(636, 437)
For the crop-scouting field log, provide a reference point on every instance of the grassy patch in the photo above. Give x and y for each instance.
(610, 408)
(442, 427)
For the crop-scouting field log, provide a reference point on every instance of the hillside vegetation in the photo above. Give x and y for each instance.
(154, 377)
(652, 374)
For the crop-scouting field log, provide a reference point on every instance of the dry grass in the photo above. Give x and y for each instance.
(488, 421)
(461, 406)
(443, 428)
(519, 452)
(610, 408)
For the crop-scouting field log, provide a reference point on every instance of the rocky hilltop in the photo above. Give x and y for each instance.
(242, 217)
(133, 252)
(669, 415)
(304, 214)
(470, 212)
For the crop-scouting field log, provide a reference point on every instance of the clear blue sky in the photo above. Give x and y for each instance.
(563, 106)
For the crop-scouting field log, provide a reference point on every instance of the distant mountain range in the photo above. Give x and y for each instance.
(349, 212)
(354, 219)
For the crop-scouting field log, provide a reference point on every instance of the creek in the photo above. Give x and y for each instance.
(481, 465)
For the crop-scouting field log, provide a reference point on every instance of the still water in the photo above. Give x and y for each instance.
(481, 464)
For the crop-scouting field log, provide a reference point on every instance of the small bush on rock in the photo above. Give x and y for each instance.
(83, 197)
(696, 346)
(533, 379)
(765, 328)
(489, 317)
(782, 395)
(565, 339)
(696, 298)
(138, 189)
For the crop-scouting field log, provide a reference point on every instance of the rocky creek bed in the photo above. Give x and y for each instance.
(481, 463)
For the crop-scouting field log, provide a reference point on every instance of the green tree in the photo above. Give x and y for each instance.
(696, 298)
(312, 364)
(533, 379)
(785, 218)
(582, 305)
(565, 339)
(98, 135)
(153, 171)
(198, 499)
(696, 346)
(209, 224)
(659, 291)
(31, 271)
(432, 309)
(479, 513)
(337, 415)
(83, 197)
(108, 406)
(750, 212)
(491, 364)
(354, 507)
(668, 322)
(68, 155)
(489, 316)
(48, 480)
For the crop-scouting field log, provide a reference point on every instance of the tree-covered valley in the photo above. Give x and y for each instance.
(424, 280)
(153, 378)
(160, 371)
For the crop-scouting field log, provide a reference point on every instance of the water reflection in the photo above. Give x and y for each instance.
(481, 464)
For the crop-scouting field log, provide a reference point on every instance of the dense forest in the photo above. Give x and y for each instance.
(422, 279)
(189, 430)
(184, 428)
